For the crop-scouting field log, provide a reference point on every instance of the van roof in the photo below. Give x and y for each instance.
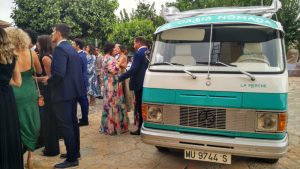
(218, 19)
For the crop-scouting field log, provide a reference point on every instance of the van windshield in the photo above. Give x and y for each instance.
(251, 48)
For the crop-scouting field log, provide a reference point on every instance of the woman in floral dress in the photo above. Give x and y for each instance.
(114, 116)
(94, 86)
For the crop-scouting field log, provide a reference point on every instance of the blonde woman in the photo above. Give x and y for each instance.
(122, 63)
(10, 142)
(26, 95)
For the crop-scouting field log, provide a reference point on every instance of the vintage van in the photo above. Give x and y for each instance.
(217, 86)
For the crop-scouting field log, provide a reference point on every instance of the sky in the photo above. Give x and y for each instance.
(7, 5)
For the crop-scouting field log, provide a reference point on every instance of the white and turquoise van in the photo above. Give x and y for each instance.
(217, 86)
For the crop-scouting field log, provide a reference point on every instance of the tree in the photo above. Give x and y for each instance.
(140, 22)
(288, 15)
(36, 15)
(198, 4)
(86, 18)
(125, 32)
(124, 16)
(144, 11)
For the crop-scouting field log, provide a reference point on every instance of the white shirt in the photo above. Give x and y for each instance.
(61, 41)
(142, 47)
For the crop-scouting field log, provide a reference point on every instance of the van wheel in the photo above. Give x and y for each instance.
(162, 149)
(270, 160)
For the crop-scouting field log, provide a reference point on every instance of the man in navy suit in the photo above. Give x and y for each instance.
(66, 86)
(137, 74)
(83, 100)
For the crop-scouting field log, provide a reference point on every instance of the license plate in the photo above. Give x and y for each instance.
(207, 156)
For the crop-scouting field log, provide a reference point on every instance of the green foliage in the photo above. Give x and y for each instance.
(125, 32)
(144, 11)
(124, 16)
(140, 22)
(36, 15)
(198, 4)
(288, 15)
(86, 18)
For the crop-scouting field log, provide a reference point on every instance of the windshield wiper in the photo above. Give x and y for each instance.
(175, 64)
(215, 64)
(166, 63)
(244, 72)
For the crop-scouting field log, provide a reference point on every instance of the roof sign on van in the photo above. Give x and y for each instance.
(221, 19)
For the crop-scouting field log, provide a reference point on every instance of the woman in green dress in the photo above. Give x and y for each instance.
(26, 95)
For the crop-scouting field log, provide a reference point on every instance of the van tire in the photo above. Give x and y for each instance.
(270, 160)
(162, 149)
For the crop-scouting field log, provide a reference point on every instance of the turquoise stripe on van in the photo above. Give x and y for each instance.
(272, 136)
(243, 100)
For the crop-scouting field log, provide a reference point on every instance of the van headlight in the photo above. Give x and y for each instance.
(153, 113)
(267, 122)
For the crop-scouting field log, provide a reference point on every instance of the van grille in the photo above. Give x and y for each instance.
(203, 117)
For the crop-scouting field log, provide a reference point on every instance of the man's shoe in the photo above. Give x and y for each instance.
(137, 132)
(81, 123)
(64, 156)
(66, 164)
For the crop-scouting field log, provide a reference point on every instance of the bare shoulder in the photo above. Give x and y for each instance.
(46, 59)
(34, 54)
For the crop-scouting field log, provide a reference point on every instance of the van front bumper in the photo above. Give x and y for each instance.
(262, 148)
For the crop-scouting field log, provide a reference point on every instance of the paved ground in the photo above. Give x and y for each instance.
(100, 151)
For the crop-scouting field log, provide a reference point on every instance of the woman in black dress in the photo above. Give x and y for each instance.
(49, 126)
(10, 140)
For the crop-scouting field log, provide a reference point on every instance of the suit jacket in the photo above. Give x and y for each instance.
(84, 68)
(66, 79)
(137, 70)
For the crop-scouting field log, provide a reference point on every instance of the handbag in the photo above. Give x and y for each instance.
(41, 99)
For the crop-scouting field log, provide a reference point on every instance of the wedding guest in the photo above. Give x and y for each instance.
(33, 38)
(10, 140)
(94, 86)
(136, 73)
(49, 122)
(26, 95)
(122, 63)
(114, 117)
(66, 86)
(83, 100)
(99, 59)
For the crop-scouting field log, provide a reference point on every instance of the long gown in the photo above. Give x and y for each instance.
(114, 116)
(94, 85)
(50, 130)
(29, 116)
(10, 141)
(128, 94)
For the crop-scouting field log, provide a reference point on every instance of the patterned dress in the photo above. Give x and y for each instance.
(128, 94)
(114, 116)
(94, 86)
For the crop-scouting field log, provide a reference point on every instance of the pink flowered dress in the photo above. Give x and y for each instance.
(114, 116)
